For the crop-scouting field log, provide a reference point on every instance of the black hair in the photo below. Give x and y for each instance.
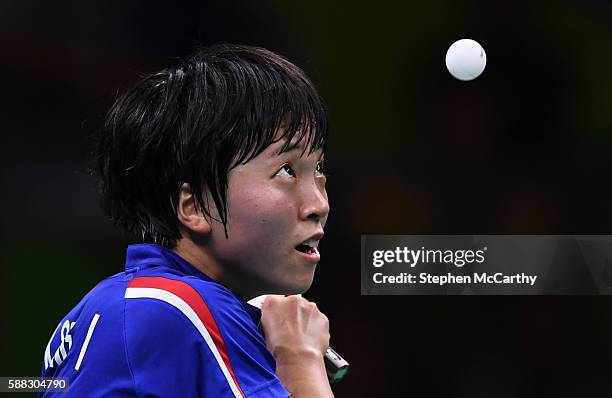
(193, 123)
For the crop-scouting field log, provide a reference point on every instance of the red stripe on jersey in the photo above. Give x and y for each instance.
(190, 296)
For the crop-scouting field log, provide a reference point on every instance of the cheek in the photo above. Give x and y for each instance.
(260, 217)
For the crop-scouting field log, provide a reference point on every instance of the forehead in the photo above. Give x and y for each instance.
(274, 152)
(298, 143)
(301, 147)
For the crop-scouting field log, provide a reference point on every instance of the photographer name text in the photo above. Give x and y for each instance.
(426, 278)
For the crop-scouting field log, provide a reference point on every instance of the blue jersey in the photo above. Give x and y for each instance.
(161, 329)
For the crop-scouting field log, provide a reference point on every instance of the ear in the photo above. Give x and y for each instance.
(189, 213)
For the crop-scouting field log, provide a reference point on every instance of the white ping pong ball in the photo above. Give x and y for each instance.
(466, 59)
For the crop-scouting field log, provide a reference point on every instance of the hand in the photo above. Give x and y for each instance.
(294, 328)
(297, 335)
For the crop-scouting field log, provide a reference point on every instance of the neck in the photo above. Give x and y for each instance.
(202, 260)
(199, 258)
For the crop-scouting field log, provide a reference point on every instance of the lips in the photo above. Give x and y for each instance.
(312, 255)
(308, 247)
(310, 243)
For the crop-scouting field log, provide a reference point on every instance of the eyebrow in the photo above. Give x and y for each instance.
(290, 148)
(295, 146)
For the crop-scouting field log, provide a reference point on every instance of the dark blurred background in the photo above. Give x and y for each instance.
(523, 149)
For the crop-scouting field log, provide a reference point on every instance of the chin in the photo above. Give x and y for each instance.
(301, 289)
(289, 286)
(289, 290)
(298, 290)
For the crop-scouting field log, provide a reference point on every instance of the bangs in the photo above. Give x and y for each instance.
(271, 100)
(302, 127)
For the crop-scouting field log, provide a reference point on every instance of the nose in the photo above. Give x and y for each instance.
(315, 205)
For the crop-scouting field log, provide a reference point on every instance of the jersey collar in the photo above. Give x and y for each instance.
(145, 255)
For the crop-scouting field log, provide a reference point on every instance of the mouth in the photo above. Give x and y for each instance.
(308, 249)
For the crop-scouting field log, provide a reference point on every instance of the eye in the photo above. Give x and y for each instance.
(320, 170)
(286, 170)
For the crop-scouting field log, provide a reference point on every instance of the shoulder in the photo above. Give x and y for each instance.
(193, 328)
(197, 310)
(201, 302)
(172, 340)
